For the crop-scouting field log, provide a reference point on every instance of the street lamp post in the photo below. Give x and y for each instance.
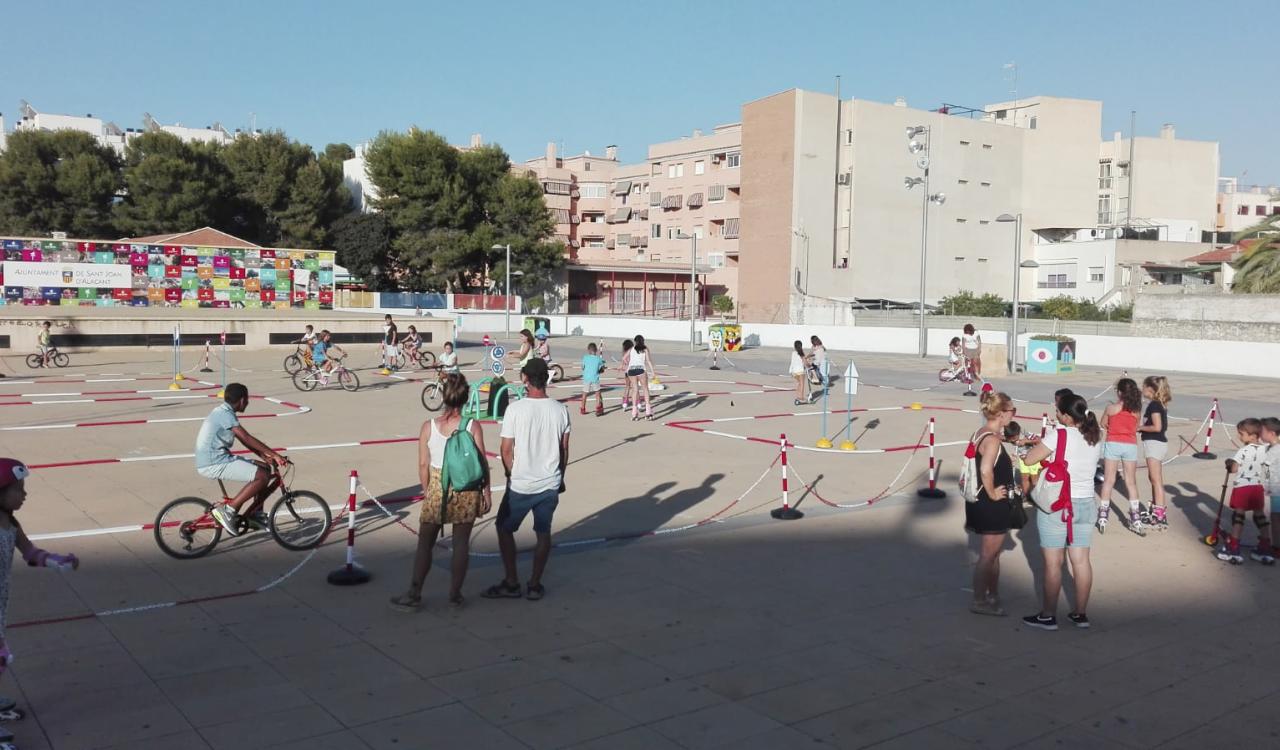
(693, 289)
(921, 148)
(1018, 265)
(506, 301)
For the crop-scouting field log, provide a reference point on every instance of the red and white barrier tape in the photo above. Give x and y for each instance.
(886, 492)
(298, 409)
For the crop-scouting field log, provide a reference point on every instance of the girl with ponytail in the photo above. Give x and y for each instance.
(1081, 435)
(1120, 452)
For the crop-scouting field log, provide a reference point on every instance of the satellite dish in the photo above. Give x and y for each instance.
(923, 162)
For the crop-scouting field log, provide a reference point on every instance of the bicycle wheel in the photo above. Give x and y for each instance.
(185, 528)
(300, 520)
(426, 359)
(304, 380)
(945, 375)
(432, 397)
(61, 360)
(34, 361)
(557, 373)
(396, 361)
(348, 380)
(292, 363)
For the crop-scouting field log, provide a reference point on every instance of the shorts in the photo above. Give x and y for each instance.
(1120, 451)
(1250, 497)
(591, 387)
(1032, 470)
(462, 507)
(1155, 450)
(635, 372)
(1053, 532)
(238, 469)
(973, 353)
(516, 505)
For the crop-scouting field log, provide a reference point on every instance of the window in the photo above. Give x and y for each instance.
(982, 260)
(964, 143)
(715, 260)
(963, 182)
(985, 184)
(1275, 210)
(1243, 211)
(626, 300)
(848, 137)
(961, 221)
(593, 190)
(657, 170)
(595, 243)
(986, 147)
(731, 228)
(699, 167)
(557, 188)
(1033, 122)
(668, 300)
(1104, 209)
(673, 232)
(636, 189)
(675, 170)
(586, 166)
(1260, 211)
(715, 193)
(733, 160)
(655, 258)
(1095, 274)
(697, 231)
(655, 231)
(655, 198)
(984, 221)
(958, 259)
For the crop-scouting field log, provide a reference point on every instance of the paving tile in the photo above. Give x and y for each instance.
(569, 726)
(114, 716)
(637, 738)
(270, 730)
(601, 670)
(188, 740)
(714, 726)
(492, 678)
(659, 702)
(445, 727)
(368, 704)
(889, 716)
(527, 702)
(804, 700)
(211, 698)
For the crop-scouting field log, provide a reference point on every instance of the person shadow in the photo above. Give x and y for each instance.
(633, 518)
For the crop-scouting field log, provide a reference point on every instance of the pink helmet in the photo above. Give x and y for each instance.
(12, 470)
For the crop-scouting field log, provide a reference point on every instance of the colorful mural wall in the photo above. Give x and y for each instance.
(74, 272)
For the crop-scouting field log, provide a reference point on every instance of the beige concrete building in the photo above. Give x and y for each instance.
(1243, 206)
(1166, 186)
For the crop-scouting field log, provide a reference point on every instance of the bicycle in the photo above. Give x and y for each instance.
(308, 378)
(300, 520)
(56, 358)
(299, 360)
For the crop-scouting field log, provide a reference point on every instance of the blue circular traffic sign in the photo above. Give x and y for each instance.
(498, 352)
(497, 367)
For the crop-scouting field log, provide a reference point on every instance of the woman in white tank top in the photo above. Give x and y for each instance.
(461, 509)
(639, 366)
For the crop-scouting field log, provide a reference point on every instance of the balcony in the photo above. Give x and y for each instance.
(1056, 285)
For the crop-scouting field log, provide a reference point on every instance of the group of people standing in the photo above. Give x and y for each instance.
(1066, 534)
(809, 367)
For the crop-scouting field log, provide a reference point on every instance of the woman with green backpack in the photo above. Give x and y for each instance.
(455, 487)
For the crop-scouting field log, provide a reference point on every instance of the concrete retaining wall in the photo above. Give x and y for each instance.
(1238, 317)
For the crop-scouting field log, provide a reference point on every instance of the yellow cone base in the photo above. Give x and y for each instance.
(385, 371)
(848, 445)
(174, 386)
(824, 443)
(917, 406)
(222, 394)
(179, 376)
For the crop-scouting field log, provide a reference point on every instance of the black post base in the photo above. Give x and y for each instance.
(931, 492)
(786, 514)
(353, 576)
(1204, 455)
(714, 367)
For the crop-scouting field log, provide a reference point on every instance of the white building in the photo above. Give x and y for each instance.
(1165, 183)
(1243, 206)
(108, 133)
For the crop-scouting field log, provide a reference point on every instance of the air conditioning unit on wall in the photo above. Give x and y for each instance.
(843, 178)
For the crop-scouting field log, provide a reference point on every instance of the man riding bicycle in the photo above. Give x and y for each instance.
(320, 354)
(44, 340)
(214, 460)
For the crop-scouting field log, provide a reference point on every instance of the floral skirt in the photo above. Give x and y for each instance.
(463, 507)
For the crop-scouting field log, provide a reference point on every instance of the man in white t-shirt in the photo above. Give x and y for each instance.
(535, 451)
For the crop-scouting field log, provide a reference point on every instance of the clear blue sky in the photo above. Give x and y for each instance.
(591, 74)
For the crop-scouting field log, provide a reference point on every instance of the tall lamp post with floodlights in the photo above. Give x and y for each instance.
(506, 300)
(693, 288)
(918, 144)
(1018, 265)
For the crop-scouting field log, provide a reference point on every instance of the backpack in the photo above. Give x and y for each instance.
(463, 467)
(969, 484)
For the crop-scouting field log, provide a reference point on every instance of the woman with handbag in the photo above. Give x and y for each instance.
(990, 515)
(1066, 507)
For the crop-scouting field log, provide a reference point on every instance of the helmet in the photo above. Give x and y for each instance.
(540, 335)
(12, 470)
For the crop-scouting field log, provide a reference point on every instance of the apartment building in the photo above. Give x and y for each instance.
(1165, 187)
(108, 133)
(630, 229)
(1242, 206)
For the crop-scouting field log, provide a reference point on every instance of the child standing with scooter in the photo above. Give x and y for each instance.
(1248, 495)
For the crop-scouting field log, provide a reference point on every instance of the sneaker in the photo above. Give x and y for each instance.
(1265, 556)
(989, 608)
(226, 517)
(1079, 619)
(1101, 524)
(1226, 554)
(1044, 622)
(257, 521)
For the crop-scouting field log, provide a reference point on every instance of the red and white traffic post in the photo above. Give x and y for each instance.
(786, 512)
(1208, 436)
(350, 574)
(932, 490)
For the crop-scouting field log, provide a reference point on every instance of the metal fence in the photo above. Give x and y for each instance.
(897, 319)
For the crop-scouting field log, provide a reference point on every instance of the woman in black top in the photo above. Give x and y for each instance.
(1155, 445)
(988, 516)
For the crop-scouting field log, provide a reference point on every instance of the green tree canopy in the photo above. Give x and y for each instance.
(61, 180)
(966, 303)
(338, 152)
(446, 210)
(284, 196)
(1258, 272)
(363, 242)
(174, 186)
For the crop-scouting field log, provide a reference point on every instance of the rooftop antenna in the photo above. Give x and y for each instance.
(1012, 67)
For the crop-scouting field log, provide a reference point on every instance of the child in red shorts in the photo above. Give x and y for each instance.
(1248, 495)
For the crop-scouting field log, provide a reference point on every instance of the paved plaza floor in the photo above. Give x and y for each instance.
(678, 614)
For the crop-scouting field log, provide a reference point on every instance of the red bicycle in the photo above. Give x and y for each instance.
(299, 520)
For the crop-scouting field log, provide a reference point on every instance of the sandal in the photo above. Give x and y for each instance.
(457, 600)
(406, 603)
(502, 590)
(535, 592)
(12, 714)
